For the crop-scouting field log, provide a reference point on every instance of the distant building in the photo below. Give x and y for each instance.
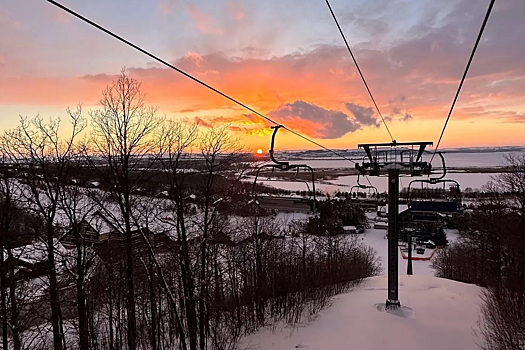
(350, 229)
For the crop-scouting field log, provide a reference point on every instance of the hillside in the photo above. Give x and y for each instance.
(443, 315)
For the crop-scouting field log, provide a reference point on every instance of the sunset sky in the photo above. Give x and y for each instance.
(285, 59)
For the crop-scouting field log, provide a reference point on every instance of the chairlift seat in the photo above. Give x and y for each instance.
(301, 205)
(425, 217)
(445, 207)
(364, 202)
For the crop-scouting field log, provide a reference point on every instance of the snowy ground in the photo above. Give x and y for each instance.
(444, 314)
(376, 239)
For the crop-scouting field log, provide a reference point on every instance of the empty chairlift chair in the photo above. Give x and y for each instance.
(366, 196)
(429, 204)
(292, 204)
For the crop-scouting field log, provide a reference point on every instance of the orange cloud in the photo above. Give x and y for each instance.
(323, 78)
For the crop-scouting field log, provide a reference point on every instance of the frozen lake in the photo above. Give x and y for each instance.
(345, 183)
(488, 159)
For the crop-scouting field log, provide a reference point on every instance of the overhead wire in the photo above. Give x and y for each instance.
(487, 15)
(358, 68)
(158, 59)
(361, 74)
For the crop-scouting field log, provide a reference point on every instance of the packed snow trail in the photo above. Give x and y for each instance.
(445, 315)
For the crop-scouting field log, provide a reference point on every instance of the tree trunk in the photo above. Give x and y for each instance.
(56, 313)
(81, 297)
(4, 243)
(3, 292)
(17, 345)
(187, 280)
(110, 292)
(203, 282)
(132, 322)
(153, 298)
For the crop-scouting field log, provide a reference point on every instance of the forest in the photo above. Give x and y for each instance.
(123, 230)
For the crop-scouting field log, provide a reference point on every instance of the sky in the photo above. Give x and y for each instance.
(285, 59)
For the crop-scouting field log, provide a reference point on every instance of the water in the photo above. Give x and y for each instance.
(452, 159)
(455, 159)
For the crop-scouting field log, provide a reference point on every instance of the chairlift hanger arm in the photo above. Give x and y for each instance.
(282, 165)
(439, 179)
(360, 185)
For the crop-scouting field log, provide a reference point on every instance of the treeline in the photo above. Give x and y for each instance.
(492, 254)
(111, 266)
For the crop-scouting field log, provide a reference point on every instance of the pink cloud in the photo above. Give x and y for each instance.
(204, 21)
(60, 16)
(236, 10)
(166, 6)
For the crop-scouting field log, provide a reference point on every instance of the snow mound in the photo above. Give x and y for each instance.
(443, 315)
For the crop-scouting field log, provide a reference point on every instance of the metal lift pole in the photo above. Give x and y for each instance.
(378, 162)
(393, 229)
(409, 265)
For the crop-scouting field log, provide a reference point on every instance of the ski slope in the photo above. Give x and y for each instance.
(442, 314)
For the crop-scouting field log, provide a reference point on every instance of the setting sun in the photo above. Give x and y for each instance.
(259, 151)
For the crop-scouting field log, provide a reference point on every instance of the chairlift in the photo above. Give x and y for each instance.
(449, 205)
(293, 204)
(366, 200)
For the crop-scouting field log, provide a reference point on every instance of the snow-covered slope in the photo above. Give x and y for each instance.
(444, 316)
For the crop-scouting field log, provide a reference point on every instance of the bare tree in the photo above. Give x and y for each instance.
(124, 131)
(177, 160)
(8, 214)
(39, 152)
(220, 152)
(76, 209)
(513, 181)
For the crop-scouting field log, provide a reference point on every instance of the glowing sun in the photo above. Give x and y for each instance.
(259, 151)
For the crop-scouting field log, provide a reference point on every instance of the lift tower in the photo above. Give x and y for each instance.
(394, 159)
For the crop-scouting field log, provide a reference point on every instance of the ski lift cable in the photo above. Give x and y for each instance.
(156, 58)
(489, 10)
(358, 69)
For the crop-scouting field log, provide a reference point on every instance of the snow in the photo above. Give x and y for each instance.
(444, 316)
(375, 238)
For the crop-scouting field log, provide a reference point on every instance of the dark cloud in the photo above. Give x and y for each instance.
(363, 115)
(397, 114)
(329, 124)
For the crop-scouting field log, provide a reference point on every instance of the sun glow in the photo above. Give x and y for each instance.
(259, 151)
